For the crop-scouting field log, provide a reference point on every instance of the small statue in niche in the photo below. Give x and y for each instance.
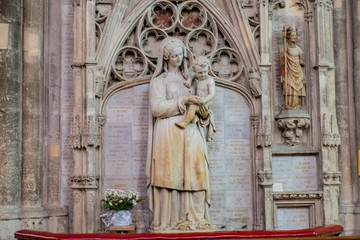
(100, 82)
(254, 81)
(205, 92)
(292, 76)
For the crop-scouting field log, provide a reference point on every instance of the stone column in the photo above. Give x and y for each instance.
(345, 109)
(356, 60)
(33, 214)
(78, 180)
(330, 139)
(263, 137)
(10, 116)
(58, 216)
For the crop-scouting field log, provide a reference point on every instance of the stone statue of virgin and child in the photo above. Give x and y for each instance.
(181, 123)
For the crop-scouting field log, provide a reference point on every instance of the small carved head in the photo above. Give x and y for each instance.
(291, 33)
(201, 67)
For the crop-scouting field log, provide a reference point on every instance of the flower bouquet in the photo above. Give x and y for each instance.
(119, 202)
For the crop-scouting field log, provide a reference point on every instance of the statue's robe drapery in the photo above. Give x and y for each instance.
(177, 167)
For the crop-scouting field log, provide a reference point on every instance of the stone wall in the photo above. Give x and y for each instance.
(49, 181)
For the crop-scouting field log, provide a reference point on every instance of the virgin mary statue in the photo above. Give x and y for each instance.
(177, 163)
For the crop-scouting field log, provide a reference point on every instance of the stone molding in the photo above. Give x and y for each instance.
(84, 181)
(296, 196)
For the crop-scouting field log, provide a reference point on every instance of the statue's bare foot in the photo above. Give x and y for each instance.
(181, 124)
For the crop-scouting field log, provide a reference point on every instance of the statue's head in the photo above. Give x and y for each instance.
(171, 46)
(201, 66)
(291, 34)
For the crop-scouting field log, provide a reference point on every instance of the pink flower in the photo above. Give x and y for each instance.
(117, 190)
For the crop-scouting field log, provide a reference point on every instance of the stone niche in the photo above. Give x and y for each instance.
(125, 146)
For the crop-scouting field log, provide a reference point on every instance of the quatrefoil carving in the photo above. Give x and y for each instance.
(130, 63)
(163, 15)
(192, 15)
(225, 64)
(150, 40)
(201, 42)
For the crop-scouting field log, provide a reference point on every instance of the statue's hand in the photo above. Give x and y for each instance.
(204, 111)
(193, 99)
(200, 101)
(187, 84)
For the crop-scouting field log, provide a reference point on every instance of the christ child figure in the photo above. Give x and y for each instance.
(205, 89)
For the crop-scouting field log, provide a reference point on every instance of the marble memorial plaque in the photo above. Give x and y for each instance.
(216, 216)
(295, 173)
(293, 218)
(218, 198)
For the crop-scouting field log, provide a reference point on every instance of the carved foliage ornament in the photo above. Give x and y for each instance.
(84, 181)
(186, 20)
(291, 196)
(332, 178)
(293, 129)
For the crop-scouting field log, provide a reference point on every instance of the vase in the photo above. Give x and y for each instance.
(121, 218)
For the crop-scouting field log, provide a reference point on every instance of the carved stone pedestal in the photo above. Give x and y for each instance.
(293, 123)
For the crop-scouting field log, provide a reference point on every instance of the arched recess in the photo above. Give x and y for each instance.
(128, 64)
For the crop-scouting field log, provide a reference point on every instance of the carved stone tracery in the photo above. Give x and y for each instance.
(102, 12)
(189, 21)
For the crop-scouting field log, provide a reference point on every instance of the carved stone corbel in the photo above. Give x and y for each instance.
(292, 124)
(84, 181)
